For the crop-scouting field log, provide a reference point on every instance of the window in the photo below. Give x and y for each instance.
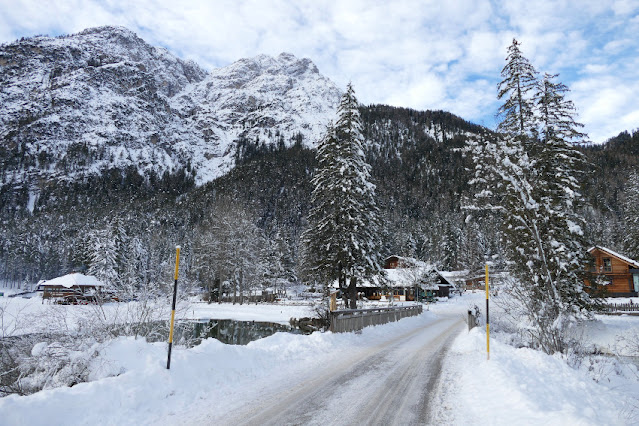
(607, 264)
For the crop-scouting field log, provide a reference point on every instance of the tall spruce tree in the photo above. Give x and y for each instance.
(631, 216)
(534, 185)
(342, 241)
(562, 168)
(517, 87)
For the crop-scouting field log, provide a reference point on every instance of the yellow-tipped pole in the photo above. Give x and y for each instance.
(487, 319)
(177, 265)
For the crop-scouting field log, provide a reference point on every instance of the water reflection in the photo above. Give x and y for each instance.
(234, 332)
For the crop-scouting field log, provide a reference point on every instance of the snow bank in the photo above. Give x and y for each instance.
(523, 386)
(613, 334)
(280, 313)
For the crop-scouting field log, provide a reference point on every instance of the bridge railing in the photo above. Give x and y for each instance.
(356, 319)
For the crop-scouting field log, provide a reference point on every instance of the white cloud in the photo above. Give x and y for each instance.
(413, 53)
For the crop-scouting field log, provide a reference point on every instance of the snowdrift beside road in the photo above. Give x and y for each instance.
(524, 386)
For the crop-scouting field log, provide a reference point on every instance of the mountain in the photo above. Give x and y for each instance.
(105, 99)
(262, 100)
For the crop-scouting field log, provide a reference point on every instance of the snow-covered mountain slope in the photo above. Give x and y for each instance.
(104, 98)
(262, 100)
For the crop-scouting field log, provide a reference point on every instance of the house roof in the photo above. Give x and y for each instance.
(455, 277)
(617, 255)
(406, 262)
(70, 280)
(403, 277)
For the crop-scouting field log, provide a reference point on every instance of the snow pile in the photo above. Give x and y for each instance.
(612, 334)
(523, 386)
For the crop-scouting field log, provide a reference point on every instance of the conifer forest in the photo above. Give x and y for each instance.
(244, 230)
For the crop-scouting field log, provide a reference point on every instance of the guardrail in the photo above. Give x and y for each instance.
(356, 319)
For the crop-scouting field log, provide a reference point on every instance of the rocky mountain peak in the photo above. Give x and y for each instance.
(104, 98)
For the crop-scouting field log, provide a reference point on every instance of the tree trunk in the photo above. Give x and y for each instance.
(241, 286)
(352, 292)
(341, 279)
(234, 289)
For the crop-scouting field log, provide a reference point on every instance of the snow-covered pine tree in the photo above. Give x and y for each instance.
(507, 179)
(561, 170)
(556, 113)
(103, 255)
(517, 87)
(534, 185)
(342, 241)
(631, 216)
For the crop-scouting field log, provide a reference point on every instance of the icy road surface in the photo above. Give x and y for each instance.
(391, 383)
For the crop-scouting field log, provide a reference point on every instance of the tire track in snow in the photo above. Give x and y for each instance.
(392, 383)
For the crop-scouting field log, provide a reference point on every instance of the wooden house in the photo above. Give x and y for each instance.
(398, 262)
(411, 279)
(73, 288)
(620, 274)
(405, 280)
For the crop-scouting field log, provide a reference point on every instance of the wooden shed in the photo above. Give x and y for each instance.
(71, 289)
(619, 273)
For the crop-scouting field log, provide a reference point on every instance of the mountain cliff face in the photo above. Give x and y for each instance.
(262, 100)
(103, 99)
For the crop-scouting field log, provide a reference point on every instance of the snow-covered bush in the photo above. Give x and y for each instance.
(57, 347)
(35, 362)
(513, 323)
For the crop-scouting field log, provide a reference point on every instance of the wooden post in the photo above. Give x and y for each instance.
(177, 264)
(487, 319)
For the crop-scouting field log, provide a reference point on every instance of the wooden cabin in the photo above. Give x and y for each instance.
(619, 273)
(73, 288)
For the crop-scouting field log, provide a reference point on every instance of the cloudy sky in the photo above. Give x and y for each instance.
(423, 54)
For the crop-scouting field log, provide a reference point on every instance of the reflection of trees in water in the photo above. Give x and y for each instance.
(237, 332)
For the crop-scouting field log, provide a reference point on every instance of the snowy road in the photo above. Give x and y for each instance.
(391, 383)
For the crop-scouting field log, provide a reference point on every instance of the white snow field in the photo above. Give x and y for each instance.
(214, 383)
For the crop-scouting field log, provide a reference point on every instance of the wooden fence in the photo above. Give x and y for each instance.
(619, 308)
(356, 319)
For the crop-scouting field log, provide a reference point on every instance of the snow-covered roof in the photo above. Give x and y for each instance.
(617, 255)
(456, 277)
(403, 277)
(407, 262)
(70, 280)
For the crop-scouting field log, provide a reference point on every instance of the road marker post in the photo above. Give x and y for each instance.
(487, 319)
(177, 264)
